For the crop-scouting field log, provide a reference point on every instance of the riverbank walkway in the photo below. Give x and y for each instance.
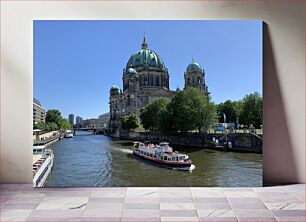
(21, 202)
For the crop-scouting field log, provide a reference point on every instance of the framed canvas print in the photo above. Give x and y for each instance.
(147, 103)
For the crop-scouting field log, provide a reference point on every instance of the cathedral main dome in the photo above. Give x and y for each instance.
(146, 58)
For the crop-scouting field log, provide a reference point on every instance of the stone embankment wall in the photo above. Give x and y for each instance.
(243, 142)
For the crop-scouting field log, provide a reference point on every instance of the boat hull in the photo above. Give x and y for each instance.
(42, 174)
(68, 136)
(163, 163)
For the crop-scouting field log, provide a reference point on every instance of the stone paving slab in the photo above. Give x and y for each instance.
(21, 202)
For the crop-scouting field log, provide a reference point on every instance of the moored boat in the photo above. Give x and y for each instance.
(69, 135)
(162, 154)
(42, 165)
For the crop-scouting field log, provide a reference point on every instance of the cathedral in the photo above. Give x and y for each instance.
(145, 79)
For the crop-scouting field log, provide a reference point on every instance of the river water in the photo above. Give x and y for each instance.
(99, 161)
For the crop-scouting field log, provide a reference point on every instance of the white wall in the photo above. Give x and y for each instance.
(284, 64)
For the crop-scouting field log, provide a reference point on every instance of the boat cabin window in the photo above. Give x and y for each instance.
(165, 158)
(173, 158)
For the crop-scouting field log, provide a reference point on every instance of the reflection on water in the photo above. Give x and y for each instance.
(97, 160)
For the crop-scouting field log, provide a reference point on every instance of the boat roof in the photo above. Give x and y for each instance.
(36, 130)
(163, 143)
(138, 142)
(39, 147)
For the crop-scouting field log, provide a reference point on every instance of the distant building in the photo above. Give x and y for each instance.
(78, 120)
(39, 112)
(90, 123)
(103, 120)
(71, 119)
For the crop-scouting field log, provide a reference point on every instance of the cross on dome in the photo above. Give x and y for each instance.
(144, 44)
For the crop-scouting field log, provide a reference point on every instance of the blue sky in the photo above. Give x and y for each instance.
(76, 62)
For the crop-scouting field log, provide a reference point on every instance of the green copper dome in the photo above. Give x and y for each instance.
(114, 87)
(194, 67)
(145, 58)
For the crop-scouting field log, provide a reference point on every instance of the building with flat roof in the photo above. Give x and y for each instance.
(71, 119)
(91, 123)
(78, 120)
(39, 112)
(103, 120)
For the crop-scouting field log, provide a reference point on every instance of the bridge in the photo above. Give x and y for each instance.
(94, 130)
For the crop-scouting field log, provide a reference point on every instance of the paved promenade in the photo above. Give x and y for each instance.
(20, 202)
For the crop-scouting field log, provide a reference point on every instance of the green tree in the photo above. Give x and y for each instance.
(179, 113)
(40, 125)
(191, 110)
(129, 122)
(237, 106)
(231, 109)
(51, 126)
(151, 115)
(252, 107)
(54, 116)
(166, 120)
(64, 124)
(55, 121)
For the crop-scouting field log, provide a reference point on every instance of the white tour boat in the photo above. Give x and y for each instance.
(69, 135)
(162, 154)
(42, 165)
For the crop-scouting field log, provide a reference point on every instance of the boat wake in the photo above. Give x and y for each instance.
(191, 168)
(123, 150)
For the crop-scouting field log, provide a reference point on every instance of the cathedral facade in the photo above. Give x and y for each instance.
(145, 79)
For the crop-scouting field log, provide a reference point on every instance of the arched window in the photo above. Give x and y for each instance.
(199, 80)
(157, 80)
(188, 80)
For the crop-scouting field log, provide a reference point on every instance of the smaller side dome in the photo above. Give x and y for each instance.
(194, 66)
(114, 90)
(114, 87)
(131, 71)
